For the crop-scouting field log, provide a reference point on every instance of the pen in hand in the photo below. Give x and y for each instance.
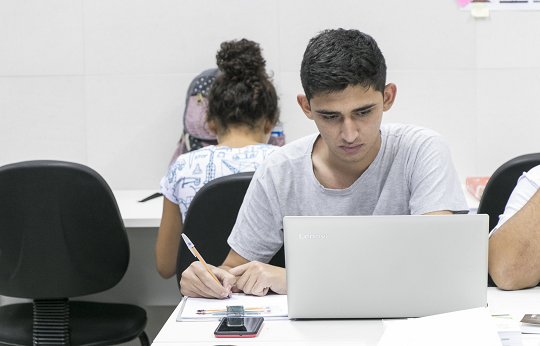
(195, 253)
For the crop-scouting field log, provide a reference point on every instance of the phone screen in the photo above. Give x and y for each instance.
(249, 328)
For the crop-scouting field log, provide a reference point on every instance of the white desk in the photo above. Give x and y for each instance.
(148, 214)
(334, 332)
(136, 214)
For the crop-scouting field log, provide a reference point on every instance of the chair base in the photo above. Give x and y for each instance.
(90, 324)
(51, 322)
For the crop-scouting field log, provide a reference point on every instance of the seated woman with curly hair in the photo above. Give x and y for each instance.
(242, 110)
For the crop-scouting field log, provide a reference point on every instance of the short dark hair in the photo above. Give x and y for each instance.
(336, 59)
(244, 93)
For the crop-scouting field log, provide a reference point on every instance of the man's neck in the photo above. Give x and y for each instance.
(333, 173)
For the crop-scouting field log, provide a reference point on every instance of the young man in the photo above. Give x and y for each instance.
(514, 244)
(354, 166)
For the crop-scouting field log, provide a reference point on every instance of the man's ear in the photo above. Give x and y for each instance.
(390, 91)
(304, 104)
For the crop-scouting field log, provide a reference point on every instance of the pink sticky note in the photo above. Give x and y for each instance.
(464, 2)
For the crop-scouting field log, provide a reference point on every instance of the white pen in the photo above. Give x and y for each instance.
(195, 253)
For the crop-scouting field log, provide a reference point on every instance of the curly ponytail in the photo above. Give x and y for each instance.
(243, 94)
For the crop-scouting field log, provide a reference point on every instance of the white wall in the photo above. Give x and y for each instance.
(102, 82)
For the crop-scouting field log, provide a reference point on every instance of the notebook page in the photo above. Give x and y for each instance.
(276, 304)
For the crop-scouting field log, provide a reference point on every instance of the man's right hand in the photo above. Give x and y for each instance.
(197, 282)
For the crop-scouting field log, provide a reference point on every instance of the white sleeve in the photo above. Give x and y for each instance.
(526, 187)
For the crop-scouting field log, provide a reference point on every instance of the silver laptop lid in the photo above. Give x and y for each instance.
(385, 266)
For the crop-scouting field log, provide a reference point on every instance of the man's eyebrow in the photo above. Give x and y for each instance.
(327, 112)
(359, 109)
(363, 108)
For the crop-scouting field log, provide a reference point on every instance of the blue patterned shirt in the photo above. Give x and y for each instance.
(192, 170)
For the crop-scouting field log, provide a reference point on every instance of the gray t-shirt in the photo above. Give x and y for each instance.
(412, 174)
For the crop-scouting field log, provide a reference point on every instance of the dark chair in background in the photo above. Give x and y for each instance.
(500, 186)
(502, 183)
(210, 220)
(61, 236)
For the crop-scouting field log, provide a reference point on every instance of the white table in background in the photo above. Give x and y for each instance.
(136, 214)
(148, 214)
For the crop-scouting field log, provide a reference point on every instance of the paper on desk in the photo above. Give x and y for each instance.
(188, 311)
(508, 329)
(472, 327)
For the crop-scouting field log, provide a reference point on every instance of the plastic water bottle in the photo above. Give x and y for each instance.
(277, 131)
(277, 136)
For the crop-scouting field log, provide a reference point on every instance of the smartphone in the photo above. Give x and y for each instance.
(250, 328)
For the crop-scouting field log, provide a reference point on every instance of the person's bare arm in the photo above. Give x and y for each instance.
(168, 239)
(233, 260)
(196, 281)
(514, 249)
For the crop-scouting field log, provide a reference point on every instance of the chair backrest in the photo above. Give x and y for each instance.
(502, 183)
(210, 220)
(61, 234)
(500, 186)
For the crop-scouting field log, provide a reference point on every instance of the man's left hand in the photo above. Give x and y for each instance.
(257, 278)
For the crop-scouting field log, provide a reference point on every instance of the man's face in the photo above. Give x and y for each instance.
(349, 120)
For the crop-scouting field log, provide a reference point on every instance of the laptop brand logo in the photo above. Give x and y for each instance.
(314, 236)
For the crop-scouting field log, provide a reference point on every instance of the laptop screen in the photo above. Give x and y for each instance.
(385, 266)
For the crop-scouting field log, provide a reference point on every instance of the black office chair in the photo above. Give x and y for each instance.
(500, 187)
(502, 183)
(61, 236)
(210, 220)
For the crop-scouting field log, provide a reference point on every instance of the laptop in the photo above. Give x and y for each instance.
(385, 266)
